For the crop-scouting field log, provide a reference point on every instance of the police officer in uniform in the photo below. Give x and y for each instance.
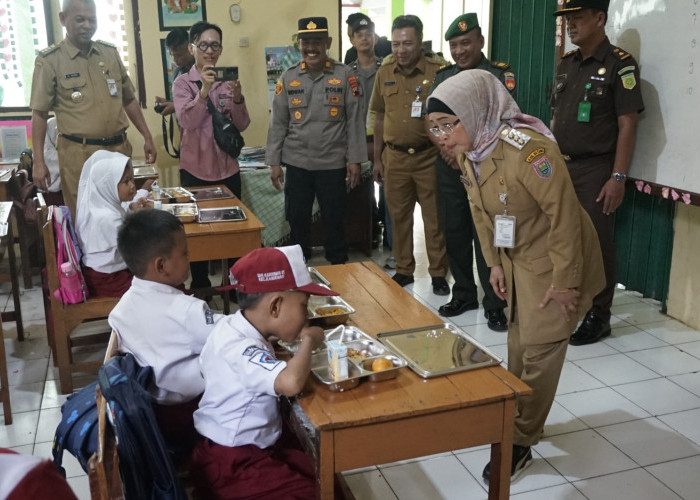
(596, 101)
(86, 85)
(466, 45)
(403, 154)
(316, 130)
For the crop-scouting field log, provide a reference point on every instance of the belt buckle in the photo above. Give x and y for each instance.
(411, 151)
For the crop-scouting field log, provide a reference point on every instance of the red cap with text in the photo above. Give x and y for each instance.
(274, 270)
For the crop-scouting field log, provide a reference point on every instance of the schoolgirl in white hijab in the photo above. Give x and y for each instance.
(105, 194)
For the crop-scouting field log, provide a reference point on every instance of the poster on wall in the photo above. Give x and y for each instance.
(277, 60)
(15, 136)
(176, 13)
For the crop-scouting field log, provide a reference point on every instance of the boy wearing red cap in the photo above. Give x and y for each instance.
(241, 454)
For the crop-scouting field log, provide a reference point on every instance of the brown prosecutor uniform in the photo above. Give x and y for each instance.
(78, 88)
(555, 244)
(614, 90)
(409, 159)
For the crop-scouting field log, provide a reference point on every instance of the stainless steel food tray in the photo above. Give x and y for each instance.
(145, 171)
(224, 214)
(317, 302)
(212, 193)
(362, 351)
(438, 350)
(186, 212)
(317, 277)
(173, 195)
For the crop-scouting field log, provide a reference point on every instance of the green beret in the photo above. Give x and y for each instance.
(463, 24)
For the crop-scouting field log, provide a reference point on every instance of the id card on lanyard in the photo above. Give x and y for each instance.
(504, 226)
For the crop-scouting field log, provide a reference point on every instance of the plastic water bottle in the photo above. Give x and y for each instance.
(157, 204)
(156, 190)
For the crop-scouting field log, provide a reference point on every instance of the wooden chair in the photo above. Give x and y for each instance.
(29, 238)
(103, 466)
(67, 317)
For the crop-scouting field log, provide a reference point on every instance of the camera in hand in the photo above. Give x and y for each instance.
(225, 73)
(159, 107)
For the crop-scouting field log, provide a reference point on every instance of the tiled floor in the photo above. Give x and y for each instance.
(623, 426)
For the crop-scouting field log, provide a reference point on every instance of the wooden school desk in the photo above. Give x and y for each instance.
(408, 416)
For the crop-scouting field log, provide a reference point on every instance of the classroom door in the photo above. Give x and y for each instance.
(522, 34)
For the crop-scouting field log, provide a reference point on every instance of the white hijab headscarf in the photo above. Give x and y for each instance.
(484, 107)
(99, 211)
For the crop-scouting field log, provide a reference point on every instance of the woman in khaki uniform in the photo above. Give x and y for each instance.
(539, 243)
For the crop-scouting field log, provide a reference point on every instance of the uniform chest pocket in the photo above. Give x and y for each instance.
(391, 90)
(334, 112)
(72, 81)
(600, 91)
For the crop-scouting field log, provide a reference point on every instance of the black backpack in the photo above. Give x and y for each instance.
(145, 466)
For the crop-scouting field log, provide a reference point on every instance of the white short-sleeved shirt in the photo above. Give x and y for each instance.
(166, 329)
(239, 406)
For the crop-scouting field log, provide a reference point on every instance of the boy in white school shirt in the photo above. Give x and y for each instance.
(160, 325)
(243, 453)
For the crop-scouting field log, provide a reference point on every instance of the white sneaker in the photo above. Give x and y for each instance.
(390, 262)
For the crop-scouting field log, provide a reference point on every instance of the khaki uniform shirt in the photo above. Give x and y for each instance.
(555, 241)
(62, 71)
(394, 94)
(316, 122)
(614, 90)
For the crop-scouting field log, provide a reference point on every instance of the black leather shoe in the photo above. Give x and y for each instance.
(440, 286)
(497, 320)
(403, 279)
(455, 307)
(522, 457)
(591, 330)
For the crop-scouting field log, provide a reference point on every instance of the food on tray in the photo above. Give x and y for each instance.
(356, 355)
(331, 311)
(185, 211)
(381, 364)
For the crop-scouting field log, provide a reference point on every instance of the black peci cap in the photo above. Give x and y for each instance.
(312, 27)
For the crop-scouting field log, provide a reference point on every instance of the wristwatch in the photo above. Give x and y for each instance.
(619, 177)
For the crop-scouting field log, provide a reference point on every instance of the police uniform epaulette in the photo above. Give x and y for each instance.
(51, 48)
(515, 138)
(446, 67)
(106, 44)
(570, 53)
(500, 65)
(621, 54)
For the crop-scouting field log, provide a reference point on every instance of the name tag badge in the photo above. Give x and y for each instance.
(112, 86)
(416, 109)
(504, 231)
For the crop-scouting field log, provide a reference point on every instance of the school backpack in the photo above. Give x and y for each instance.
(72, 287)
(77, 430)
(146, 470)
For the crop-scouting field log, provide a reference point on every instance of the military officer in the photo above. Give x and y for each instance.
(86, 85)
(596, 101)
(466, 44)
(403, 154)
(316, 130)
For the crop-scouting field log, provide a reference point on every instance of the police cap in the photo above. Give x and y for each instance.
(312, 27)
(360, 23)
(570, 6)
(463, 24)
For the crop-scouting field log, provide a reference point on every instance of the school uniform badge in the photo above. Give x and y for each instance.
(629, 81)
(542, 167)
(279, 87)
(509, 77)
(264, 360)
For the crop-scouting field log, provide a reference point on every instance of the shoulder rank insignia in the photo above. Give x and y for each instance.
(446, 67)
(542, 167)
(328, 64)
(515, 138)
(106, 44)
(509, 78)
(388, 60)
(279, 87)
(621, 54)
(500, 64)
(570, 53)
(51, 48)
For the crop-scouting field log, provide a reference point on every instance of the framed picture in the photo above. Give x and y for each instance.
(168, 70)
(176, 13)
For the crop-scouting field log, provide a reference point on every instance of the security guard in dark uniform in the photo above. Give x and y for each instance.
(86, 85)
(317, 132)
(596, 101)
(466, 45)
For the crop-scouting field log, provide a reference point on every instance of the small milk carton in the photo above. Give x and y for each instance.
(337, 360)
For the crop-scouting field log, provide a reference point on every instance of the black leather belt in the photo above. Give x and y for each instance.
(584, 156)
(102, 141)
(411, 150)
